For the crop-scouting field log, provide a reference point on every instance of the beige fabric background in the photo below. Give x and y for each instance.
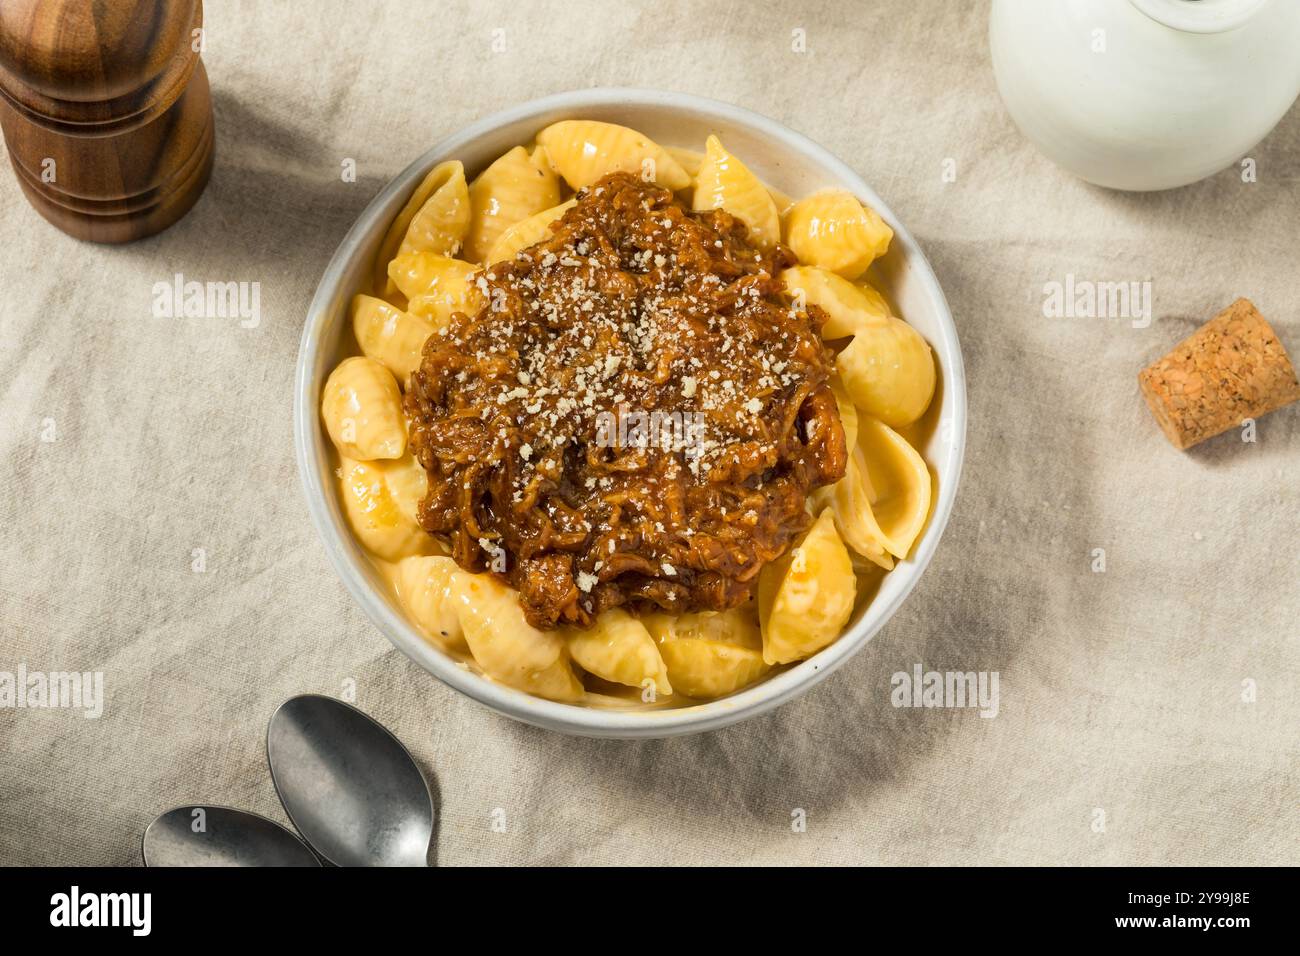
(1119, 691)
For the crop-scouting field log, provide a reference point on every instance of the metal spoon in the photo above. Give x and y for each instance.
(221, 836)
(349, 786)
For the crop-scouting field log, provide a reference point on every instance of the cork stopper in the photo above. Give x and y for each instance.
(1230, 369)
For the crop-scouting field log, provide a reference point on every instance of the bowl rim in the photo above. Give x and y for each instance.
(344, 553)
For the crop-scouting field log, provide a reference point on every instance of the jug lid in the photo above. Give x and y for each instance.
(1200, 16)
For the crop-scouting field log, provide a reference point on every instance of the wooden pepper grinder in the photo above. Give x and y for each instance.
(106, 111)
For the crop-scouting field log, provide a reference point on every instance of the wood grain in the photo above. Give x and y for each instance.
(106, 112)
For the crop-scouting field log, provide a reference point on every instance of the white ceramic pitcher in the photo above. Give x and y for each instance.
(1146, 94)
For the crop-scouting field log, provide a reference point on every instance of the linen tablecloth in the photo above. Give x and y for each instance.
(154, 529)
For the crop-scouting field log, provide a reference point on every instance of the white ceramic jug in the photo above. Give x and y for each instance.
(1146, 94)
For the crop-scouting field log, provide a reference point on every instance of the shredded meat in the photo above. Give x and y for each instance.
(634, 415)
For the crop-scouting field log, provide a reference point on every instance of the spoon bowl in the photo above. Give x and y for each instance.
(221, 836)
(349, 786)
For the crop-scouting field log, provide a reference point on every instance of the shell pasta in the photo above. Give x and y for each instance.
(834, 231)
(583, 151)
(516, 186)
(724, 182)
(625, 427)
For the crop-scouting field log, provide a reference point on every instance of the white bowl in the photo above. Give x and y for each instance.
(786, 161)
